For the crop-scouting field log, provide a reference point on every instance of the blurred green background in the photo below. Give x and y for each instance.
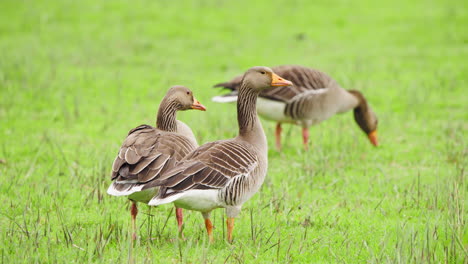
(75, 76)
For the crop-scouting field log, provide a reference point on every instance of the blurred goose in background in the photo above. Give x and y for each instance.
(313, 98)
(149, 151)
(224, 173)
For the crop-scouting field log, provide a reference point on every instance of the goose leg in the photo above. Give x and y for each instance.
(208, 226)
(179, 217)
(305, 137)
(230, 228)
(134, 212)
(278, 136)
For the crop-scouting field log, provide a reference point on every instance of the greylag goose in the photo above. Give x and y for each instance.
(313, 98)
(224, 173)
(149, 151)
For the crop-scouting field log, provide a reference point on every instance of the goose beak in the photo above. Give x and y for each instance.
(373, 138)
(279, 81)
(196, 105)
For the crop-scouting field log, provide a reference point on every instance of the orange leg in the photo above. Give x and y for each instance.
(230, 227)
(209, 229)
(278, 136)
(134, 212)
(305, 137)
(180, 223)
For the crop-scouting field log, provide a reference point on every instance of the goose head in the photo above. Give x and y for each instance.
(183, 98)
(367, 121)
(259, 78)
(365, 117)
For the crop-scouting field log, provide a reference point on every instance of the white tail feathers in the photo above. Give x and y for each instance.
(112, 190)
(225, 98)
(158, 201)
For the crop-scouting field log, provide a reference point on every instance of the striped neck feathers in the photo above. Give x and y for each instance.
(166, 119)
(246, 109)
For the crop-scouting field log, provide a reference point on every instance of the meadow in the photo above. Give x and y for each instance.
(76, 76)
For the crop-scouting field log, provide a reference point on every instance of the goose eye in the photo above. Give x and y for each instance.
(262, 72)
(188, 92)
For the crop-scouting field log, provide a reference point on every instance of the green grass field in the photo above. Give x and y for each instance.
(76, 76)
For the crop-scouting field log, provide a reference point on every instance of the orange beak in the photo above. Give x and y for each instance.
(196, 105)
(278, 81)
(373, 138)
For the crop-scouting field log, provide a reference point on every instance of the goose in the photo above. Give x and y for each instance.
(224, 173)
(149, 151)
(313, 98)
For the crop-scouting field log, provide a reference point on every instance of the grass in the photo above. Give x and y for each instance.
(75, 76)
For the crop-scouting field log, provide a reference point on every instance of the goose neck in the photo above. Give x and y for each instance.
(359, 102)
(166, 119)
(250, 127)
(246, 109)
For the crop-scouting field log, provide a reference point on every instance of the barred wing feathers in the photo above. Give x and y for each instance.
(145, 154)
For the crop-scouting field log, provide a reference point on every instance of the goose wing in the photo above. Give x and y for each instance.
(211, 166)
(303, 78)
(145, 154)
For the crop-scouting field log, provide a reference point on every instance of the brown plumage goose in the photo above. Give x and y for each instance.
(313, 98)
(149, 151)
(225, 173)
